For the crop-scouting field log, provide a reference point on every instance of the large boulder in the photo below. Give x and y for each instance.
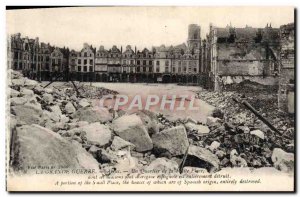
(33, 145)
(27, 114)
(202, 158)
(93, 115)
(132, 129)
(282, 160)
(173, 141)
(201, 129)
(97, 134)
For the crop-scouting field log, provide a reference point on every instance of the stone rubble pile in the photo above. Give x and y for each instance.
(88, 91)
(49, 126)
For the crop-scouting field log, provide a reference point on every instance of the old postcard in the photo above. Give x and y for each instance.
(150, 99)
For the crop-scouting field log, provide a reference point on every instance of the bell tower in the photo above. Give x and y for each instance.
(194, 38)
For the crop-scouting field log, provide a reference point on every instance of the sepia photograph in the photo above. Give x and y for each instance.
(150, 99)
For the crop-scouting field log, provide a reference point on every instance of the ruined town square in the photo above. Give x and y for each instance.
(178, 101)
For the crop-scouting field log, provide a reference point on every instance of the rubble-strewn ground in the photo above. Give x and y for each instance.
(52, 126)
(238, 122)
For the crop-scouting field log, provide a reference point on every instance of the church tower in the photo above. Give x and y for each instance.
(194, 38)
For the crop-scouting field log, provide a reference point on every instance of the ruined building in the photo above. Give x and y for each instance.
(287, 68)
(237, 54)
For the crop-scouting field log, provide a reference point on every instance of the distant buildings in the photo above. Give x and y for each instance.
(226, 56)
(180, 64)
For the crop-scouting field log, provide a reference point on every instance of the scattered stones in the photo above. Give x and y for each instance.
(122, 141)
(173, 140)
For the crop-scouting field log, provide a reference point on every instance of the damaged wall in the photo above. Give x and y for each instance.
(287, 69)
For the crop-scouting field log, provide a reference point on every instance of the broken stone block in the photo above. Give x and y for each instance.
(48, 90)
(34, 145)
(118, 144)
(17, 101)
(33, 103)
(18, 82)
(220, 154)
(132, 129)
(282, 160)
(202, 158)
(214, 145)
(48, 98)
(13, 92)
(258, 133)
(26, 92)
(211, 121)
(190, 120)
(84, 103)
(55, 109)
(69, 108)
(97, 134)
(30, 84)
(173, 141)
(201, 129)
(93, 115)
(27, 114)
(149, 119)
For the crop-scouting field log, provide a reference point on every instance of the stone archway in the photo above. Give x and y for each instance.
(184, 79)
(174, 79)
(166, 79)
(104, 78)
(195, 79)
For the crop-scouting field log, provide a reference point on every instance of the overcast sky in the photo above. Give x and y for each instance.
(137, 26)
